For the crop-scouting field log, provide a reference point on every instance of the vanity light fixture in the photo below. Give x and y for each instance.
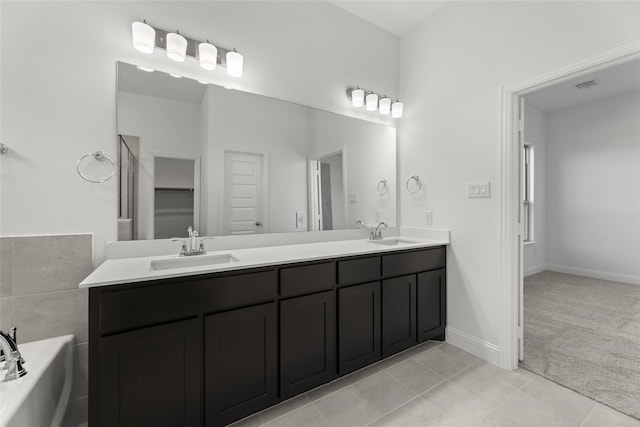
(179, 47)
(176, 47)
(357, 97)
(385, 105)
(397, 108)
(372, 102)
(208, 55)
(234, 63)
(144, 37)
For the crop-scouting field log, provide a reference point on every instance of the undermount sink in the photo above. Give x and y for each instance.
(391, 242)
(193, 261)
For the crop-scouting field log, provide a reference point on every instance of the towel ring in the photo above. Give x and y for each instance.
(418, 184)
(100, 156)
(383, 187)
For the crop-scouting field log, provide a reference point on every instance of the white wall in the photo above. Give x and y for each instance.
(535, 133)
(452, 69)
(593, 187)
(60, 104)
(164, 126)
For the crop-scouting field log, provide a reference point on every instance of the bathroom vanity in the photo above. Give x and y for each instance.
(209, 348)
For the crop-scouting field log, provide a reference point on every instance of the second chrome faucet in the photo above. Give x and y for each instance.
(192, 247)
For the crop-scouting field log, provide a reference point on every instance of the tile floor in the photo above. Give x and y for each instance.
(437, 384)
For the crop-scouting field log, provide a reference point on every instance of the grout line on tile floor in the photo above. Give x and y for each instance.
(318, 411)
(590, 413)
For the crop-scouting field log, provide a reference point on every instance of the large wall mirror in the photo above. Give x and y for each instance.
(229, 162)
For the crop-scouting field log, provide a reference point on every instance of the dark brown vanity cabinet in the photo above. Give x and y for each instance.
(307, 342)
(432, 305)
(307, 327)
(210, 349)
(150, 376)
(240, 363)
(398, 314)
(359, 338)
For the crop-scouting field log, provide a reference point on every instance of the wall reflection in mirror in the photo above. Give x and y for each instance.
(229, 162)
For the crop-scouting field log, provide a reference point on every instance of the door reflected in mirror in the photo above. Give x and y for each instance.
(252, 162)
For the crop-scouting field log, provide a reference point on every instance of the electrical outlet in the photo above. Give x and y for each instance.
(301, 220)
(428, 218)
(353, 197)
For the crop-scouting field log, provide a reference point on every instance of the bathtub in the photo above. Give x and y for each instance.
(41, 397)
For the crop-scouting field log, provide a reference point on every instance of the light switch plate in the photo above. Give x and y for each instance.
(301, 220)
(478, 189)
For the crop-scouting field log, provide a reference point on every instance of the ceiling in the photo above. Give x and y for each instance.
(609, 82)
(397, 17)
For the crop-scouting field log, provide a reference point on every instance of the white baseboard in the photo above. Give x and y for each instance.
(604, 275)
(483, 349)
(535, 269)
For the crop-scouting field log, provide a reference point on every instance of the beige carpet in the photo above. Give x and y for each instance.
(584, 334)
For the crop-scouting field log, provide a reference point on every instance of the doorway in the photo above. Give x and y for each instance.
(244, 189)
(511, 211)
(174, 196)
(327, 189)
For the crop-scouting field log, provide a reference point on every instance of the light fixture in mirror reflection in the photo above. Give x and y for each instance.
(233, 162)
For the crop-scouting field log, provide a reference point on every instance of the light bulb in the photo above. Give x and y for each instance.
(357, 97)
(234, 64)
(385, 105)
(144, 37)
(146, 69)
(203, 82)
(208, 55)
(396, 109)
(176, 47)
(371, 101)
(177, 76)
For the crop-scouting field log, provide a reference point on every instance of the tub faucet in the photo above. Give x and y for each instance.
(376, 234)
(12, 358)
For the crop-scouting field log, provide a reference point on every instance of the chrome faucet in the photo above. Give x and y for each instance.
(361, 224)
(193, 248)
(376, 234)
(12, 358)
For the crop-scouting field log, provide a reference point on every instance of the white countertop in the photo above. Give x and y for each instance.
(138, 269)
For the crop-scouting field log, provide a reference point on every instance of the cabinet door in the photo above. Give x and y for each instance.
(358, 326)
(151, 377)
(241, 367)
(307, 343)
(432, 305)
(398, 314)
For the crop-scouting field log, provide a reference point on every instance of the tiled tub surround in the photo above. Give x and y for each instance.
(39, 294)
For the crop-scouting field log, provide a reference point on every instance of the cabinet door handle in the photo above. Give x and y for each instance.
(258, 223)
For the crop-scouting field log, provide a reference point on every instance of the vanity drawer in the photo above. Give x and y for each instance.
(307, 279)
(358, 270)
(174, 299)
(413, 262)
